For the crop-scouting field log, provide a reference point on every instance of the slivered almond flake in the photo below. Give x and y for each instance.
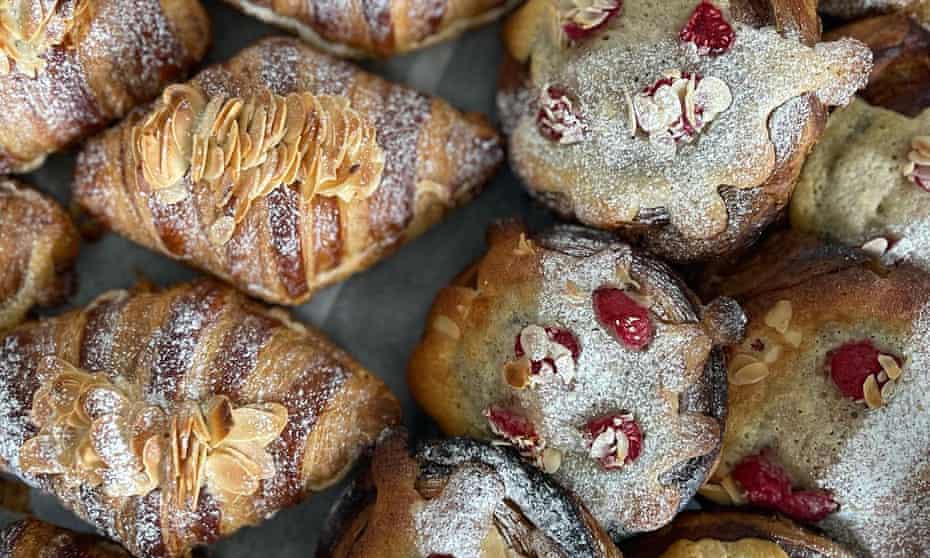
(446, 326)
(890, 366)
(779, 316)
(750, 374)
(793, 337)
(740, 360)
(873, 396)
(716, 494)
(733, 490)
(524, 246)
(622, 273)
(888, 391)
(772, 354)
(876, 247)
(551, 460)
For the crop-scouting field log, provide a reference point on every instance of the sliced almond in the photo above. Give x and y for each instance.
(524, 246)
(888, 391)
(750, 374)
(779, 316)
(733, 490)
(921, 143)
(772, 354)
(741, 360)
(794, 337)
(876, 247)
(716, 494)
(251, 424)
(446, 326)
(551, 460)
(623, 447)
(890, 366)
(873, 396)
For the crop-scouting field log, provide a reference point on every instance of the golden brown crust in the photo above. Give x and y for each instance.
(794, 540)
(458, 497)
(732, 221)
(359, 28)
(468, 367)
(32, 538)
(805, 299)
(115, 55)
(901, 71)
(38, 246)
(163, 359)
(297, 237)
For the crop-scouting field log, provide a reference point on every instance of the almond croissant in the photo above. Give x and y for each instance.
(284, 170)
(32, 538)
(69, 67)
(360, 28)
(38, 245)
(169, 419)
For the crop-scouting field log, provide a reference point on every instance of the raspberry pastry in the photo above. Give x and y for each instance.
(38, 246)
(31, 538)
(733, 535)
(590, 359)
(170, 419)
(360, 28)
(901, 57)
(867, 183)
(681, 123)
(70, 67)
(827, 396)
(284, 170)
(459, 498)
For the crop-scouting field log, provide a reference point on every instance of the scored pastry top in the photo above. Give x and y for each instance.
(591, 360)
(638, 107)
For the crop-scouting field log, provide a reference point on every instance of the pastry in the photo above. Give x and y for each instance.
(32, 538)
(867, 183)
(358, 28)
(38, 246)
(284, 170)
(70, 67)
(593, 360)
(460, 498)
(733, 535)
(827, 395)
(682, 124)
(901, 61)
(849, 9)
(170, 419)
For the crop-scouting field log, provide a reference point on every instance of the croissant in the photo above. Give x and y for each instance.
(32, 538)
(169, 419)
(284, 170)
(69, 67)
(38, 245)
(360, 28)
(461, 498)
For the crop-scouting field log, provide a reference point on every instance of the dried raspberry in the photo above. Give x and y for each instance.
(622, 443)
(768, 485)
(509, 424)
(626, 319)
(558, 335)
(558, 119)
(708, 30)
(850, 364)
(584, 18)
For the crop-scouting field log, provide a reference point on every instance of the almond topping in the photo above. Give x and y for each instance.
(551, 460)
(736, 494)
(888, 391)
(750, 374)
(524, 247)
(876, 247)
(28, 29)
(779, 317)
(741, 360)
(446, 326)
(873, 396)
(890, 366)
(772, 354)
(716, 494)
(794, 337)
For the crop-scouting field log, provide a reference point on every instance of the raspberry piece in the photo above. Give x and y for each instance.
(558, 335)
(614, 440)
(510, 425)
(624, 318)
(768, 485)
(586, 17)
(558, 119)
(708, 29)
(850, 364)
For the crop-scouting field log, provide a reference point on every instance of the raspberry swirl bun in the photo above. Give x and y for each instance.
(682, 123)
(733, 535)
(460, 498)
(590, 359)
(828, 395)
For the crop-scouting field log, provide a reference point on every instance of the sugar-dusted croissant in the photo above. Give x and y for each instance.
(32, 538)
(38, 245)
(169, 419)
(460, 498)
(284, 170)
(360, 28)
(69, 67)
